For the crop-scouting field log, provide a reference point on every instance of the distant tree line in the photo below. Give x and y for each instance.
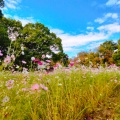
(107, 53)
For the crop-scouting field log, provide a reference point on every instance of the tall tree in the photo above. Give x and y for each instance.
(106, 50)
(1, 6)
(36, 40)
(116, 55)
(32, 40)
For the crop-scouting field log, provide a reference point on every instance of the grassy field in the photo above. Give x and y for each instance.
(65, 94)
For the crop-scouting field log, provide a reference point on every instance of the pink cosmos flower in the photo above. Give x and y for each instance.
(44, 87)
(40, 63)
(43, 56)
(24, 89)
(1, 53)
(36, 60)
(71, 64)
(13, 57)
(48, 61)
(25, 70)
(24, 62)
(9, 84)
(7, 60)
(35, 87)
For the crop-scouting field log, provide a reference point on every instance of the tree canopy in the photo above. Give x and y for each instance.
(107, 53)
(32, 40)
(1, 6)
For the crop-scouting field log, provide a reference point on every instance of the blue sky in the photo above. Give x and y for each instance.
(82, 25)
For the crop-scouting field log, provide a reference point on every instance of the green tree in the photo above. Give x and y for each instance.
(4, 40)
(36, 40)
(32, 40)
(1, 6)
(83, 56)
(12, 28)
(116, 55)
(106, 50)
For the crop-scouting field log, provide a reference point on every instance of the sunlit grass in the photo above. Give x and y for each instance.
(75, 94)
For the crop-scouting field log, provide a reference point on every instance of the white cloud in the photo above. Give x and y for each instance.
(57, 31)
(12, 4)
(24, 21)
(111, 15)
(74, 43)
(99, 20)
(94, 45)
(110, 28)
(113, 2)
(106, 17)
(81, 39)
(90, 28)
(70, 42)
(7, 15)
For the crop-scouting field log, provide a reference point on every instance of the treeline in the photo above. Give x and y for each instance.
(106, 54)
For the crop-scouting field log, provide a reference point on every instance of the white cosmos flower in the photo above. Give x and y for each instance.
(17, 66)
(22, 53)
(22, 48)
(32, 58)
(5, 99)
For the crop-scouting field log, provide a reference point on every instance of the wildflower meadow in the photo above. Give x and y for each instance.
(72, 93)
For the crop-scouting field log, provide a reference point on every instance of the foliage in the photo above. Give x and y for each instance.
(32, 40)
(105, 55)
(116, 55)
(4, 40)
(106, 50)
(1, 6)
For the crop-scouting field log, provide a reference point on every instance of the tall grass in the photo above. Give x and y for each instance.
(73, 94)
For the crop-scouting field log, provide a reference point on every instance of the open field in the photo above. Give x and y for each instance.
(65, 94)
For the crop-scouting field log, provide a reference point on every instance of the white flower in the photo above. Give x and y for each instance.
(59, 84)
(115, 50)
(32, 58)
(5, 99)
(22, 48)
(22, 53)
(17, 66)
(25, 70)
(41, 66)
